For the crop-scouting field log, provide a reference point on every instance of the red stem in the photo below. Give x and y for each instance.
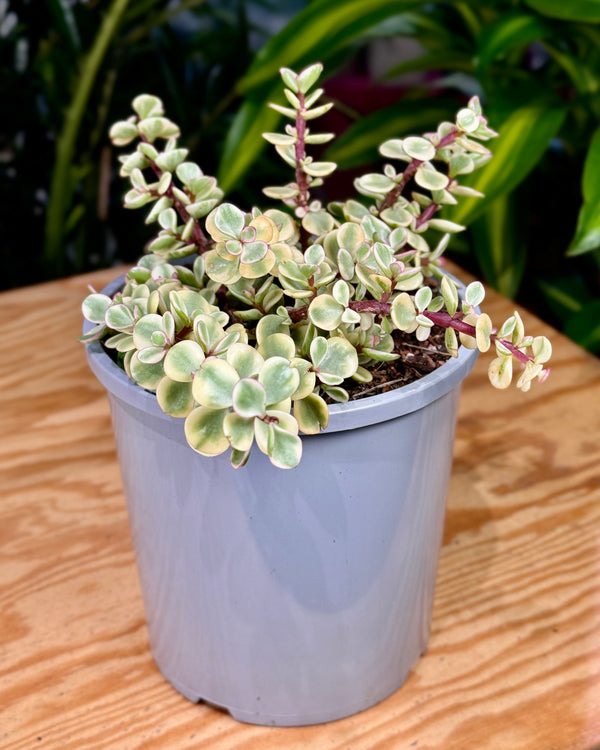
(300, 149)
(409, 173)
(198, 236)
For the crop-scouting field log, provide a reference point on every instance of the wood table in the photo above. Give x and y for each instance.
(514, 656)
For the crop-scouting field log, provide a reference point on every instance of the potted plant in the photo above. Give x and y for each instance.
(299, 596)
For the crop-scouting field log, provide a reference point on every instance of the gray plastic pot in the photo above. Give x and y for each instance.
(290, 597)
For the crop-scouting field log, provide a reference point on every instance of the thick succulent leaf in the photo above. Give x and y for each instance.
(500, 372)
(325, 312)
(339, 361)
(246, 360)
(279, 379)
(279, 440)
(403, 312)
(483, 329)
(94, 307)
(239, 431)
(182, 360)
(175, 398)
(428, 177)
(278, 345)
(221, 270)
(308, 378)
(119, 317)
(312, 414)
(213, 384)
(270, 324)
(145, 327)
(258, 268)
(204, 431)
(146, 375)
(249, 399)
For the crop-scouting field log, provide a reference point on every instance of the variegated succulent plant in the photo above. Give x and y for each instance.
(274, 311)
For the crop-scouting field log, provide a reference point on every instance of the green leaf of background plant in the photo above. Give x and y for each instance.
(584, 326)
(359, 143)
(508, 32)
(587, 234)
(568, 10)
(316, 33)
(524, 138)
(498, 247)
(435, 60)
(65, 19)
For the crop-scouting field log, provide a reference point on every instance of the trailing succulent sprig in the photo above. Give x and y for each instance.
(282, 307)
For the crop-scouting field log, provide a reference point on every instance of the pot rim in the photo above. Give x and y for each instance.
(351, 415)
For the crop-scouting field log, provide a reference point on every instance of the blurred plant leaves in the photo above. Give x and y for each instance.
(360, 142)
(524, 139)
(510, 31)
(316, 33)
(568, 10)
(587, 234)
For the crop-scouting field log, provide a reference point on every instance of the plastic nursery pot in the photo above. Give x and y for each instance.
(290, 597)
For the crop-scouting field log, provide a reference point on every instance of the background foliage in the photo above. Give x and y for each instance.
(69, 68)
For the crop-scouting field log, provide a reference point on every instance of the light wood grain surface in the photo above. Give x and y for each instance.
(514, 657)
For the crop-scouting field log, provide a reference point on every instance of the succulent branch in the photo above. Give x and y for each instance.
(282, 308)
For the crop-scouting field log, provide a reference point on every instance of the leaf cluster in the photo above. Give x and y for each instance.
(282, 307)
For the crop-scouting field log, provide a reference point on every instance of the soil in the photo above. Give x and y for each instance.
(416, 360)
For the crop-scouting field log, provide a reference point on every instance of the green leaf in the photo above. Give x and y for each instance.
(587, 234)
(474, 293)
(312, 414)
(308, 77)
(279, 379)
(511, 30)
(146, 105)
(339, 362)
(239, 431)
(419, 148)
(182, 360)
(246, 360)
(213, 384)
(229, 219)
(325, 312)
(524, 138)
(568, 10)
(204, 431)
(500, 372)
(499, 246)
(316, 32)
(175, 398)
(428, 177)
(280, 443)
(249, 399)
(146, 375)
(94, 307)
(584, 326)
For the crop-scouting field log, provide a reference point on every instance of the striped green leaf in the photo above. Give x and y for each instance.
(318, 32)
(587, 234)
(568, 10)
